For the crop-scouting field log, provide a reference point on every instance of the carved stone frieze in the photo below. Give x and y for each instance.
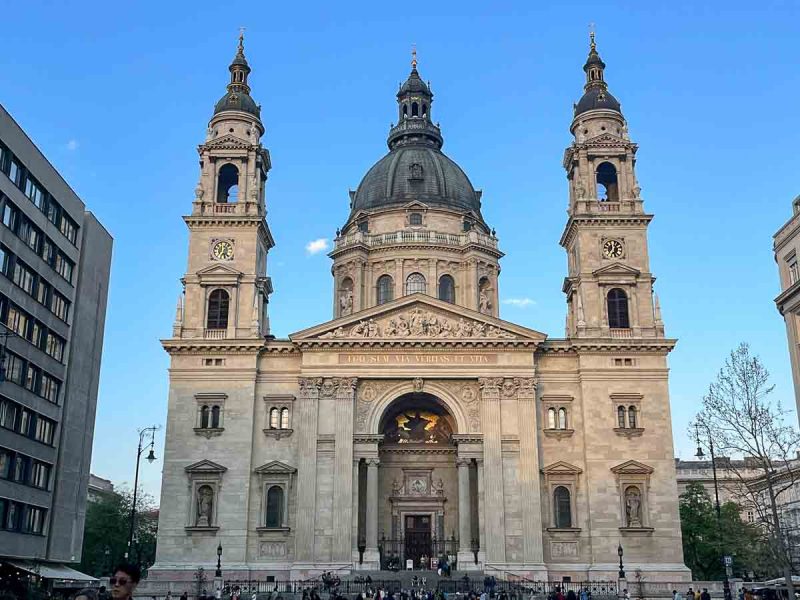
(367, 392)
(309, 386)
(419, 323)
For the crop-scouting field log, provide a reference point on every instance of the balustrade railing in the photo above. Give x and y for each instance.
(621, 333)
(224, 207)
(215, 334)
(416, 237)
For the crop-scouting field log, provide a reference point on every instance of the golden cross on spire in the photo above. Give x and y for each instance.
(241, 38)
(413, 56)
(591, 36)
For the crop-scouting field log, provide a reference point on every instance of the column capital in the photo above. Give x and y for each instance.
(309, 386)
(463, 462)
(372, 462)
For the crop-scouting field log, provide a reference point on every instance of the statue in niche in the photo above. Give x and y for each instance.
(438, 487)
(205, 503)
(198, 192)
(346, 303)
(484, 301)
(633, 507)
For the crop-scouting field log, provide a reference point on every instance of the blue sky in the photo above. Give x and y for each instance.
(118, 95)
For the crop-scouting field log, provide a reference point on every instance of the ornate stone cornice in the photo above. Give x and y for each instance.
(444, 344)
(601, 220)
(199, 346)
(601, 345)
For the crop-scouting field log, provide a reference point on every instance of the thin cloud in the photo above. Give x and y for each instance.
(317, 246)
(72, 145)
(520, 302)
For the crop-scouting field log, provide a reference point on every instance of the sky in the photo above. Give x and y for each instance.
(118, 96)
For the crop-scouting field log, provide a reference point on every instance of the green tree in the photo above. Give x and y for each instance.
(704, 541)
(105, 536)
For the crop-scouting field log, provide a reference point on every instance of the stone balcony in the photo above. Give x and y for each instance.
(423, 237)
(599, 207)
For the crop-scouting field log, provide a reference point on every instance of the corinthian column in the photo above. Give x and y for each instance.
(529, 471)
(343, 466)
(494, 508)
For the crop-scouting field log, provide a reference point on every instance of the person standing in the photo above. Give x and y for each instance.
(705, 595)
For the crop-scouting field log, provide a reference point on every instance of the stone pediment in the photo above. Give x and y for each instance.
(218, 273)
(606, 139)
(632, 467)
(616, 269)
(228, 142)
(416, 318)
(561, 468)
(205, 466)
(275, 467)
(416, 204)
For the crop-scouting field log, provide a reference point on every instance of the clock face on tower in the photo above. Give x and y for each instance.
(612, 249)
(222, 250)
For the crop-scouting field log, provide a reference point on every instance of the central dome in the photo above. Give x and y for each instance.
(415, 167)
(416, 172)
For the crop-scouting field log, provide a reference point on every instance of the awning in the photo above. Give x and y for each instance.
(51, 570)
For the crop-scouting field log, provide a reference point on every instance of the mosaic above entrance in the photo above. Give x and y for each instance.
(417, 427)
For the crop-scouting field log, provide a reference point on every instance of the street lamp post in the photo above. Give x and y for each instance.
(621, 568)
(150, 458)
(219, 561)
(621, 589)
(726, 583)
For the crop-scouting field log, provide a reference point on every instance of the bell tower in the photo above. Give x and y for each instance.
(226, 288)
(609, 286)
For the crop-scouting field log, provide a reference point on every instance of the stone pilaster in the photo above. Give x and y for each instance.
(529, 471)
(307, 411)
(464, 511)
(481, 517)
(493, 470)
(371, 552)
(343, 467)
(354, 514)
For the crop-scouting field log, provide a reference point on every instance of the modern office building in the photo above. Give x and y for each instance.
(55, 259)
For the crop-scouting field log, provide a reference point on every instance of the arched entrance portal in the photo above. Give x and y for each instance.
(418, 483)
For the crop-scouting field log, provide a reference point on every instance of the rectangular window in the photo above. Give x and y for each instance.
(54, 346)
(48, 251)
(3, 260)
(43, 293)
(34, 520)
(40, 475)
(36, 333)
(44, 430)
(34, 192)
(14, 368)
(794, 272)
(69, 229)
(8, 414)
(64, 267)
(25, 419)
(9, 216)
(17, 321)
(14, 172)
(23, 277)
(60, 306)
(12, 516)
(32, 378)
(49, 388)
(6, 457)
(53, 211)
(33, 238)
(20, 469)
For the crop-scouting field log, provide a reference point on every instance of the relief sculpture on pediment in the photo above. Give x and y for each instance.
(418, 323)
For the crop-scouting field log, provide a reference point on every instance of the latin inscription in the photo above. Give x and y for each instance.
(447, 360)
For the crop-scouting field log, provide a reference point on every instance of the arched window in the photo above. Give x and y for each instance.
(405, 110)
(618, 309)
(563, 508)
(415, 219)
(274, 418)
(414, 109)
(562, 418)
(632, 417)
(415, 283)
(551, 418)
(228, 184)
(385, 289)
(621, 417)
(447, 289)
(218, 310)
(424, 110)
(274, 506)
(284, 418)
(215, 416)
(607, 189)
(204, 417)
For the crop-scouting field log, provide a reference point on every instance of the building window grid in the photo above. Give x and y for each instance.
(23, 469)
(35, 286)
(39, 196)
(14, 417)
(28, 375)
(21, 517)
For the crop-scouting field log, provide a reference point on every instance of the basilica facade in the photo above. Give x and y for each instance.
(417, 423)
